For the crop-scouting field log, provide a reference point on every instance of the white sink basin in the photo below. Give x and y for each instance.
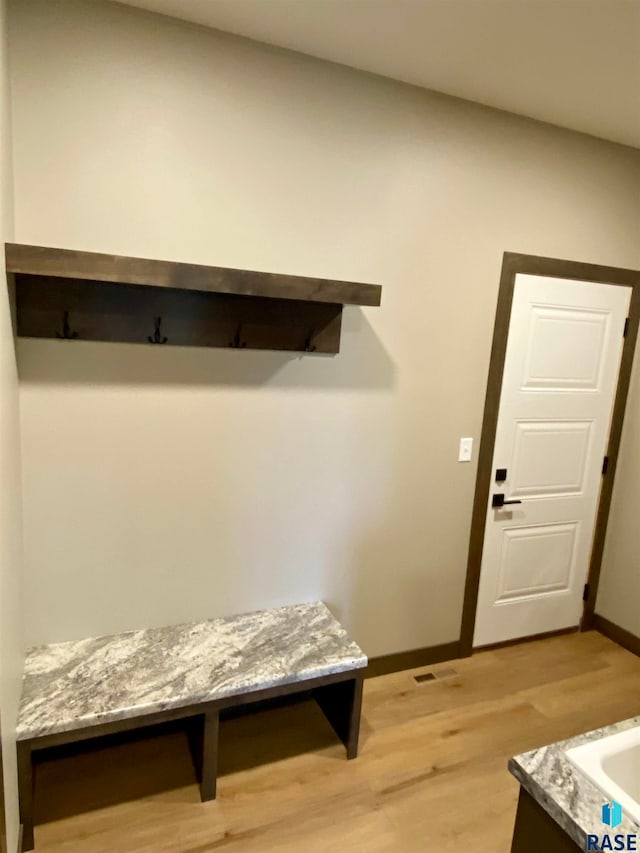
(613, 764)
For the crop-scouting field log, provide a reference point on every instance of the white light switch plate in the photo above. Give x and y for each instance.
(466, 446)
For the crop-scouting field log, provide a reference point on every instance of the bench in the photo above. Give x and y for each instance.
(84, 689)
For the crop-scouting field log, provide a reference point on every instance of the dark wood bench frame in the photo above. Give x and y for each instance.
(339, 696)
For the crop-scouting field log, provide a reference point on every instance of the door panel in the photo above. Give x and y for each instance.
(549, 457)
(550, 364)
(560, 376)
(535, 561)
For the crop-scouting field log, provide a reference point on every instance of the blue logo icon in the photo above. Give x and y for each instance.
(612, 814)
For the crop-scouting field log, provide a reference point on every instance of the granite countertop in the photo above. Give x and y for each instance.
(565, 793)
(68, 686)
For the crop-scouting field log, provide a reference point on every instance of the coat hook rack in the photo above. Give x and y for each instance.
(67, 334)
(308, 345)
(236, 343)
(157, 337)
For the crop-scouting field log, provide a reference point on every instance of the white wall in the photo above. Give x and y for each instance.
(180, 484)
(11, 615)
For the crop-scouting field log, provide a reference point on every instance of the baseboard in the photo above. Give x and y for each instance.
(411, 660)
(619, 635)
(545, 635)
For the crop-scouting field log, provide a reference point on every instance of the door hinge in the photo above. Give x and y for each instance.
(585, 594)
(605, 464)
(626, 328)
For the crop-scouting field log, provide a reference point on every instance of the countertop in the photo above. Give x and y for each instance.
(565, 793)
(72, 685)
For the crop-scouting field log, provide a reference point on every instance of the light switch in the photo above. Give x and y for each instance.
(466, 446)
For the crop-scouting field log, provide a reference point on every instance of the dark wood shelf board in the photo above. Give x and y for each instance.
(93, 266)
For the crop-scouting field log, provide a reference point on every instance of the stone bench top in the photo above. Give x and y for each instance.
(73, 685)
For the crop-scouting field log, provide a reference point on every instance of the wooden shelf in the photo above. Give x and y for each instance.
(98, 297)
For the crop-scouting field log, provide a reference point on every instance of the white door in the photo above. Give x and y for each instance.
(560, 377)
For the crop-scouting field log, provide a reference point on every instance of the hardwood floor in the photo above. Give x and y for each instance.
(431, 774)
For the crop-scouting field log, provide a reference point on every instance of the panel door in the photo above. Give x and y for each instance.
(560, 376)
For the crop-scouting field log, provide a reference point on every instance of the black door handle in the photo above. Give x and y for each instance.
(498, 500)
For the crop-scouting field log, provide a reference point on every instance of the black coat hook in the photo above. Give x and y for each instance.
(236, 343)
(157, 337)
(67, 334)
(308, 345)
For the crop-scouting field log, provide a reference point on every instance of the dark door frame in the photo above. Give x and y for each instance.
(512, 264)
(3, 824)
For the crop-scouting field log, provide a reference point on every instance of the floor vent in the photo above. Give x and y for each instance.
(438, 675)
(446, 673)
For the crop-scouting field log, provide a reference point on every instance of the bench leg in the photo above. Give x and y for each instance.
(203, 740)
(25, 794)
(209, 756)
(341, 704)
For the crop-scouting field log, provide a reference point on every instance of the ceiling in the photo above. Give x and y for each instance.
(574, 63)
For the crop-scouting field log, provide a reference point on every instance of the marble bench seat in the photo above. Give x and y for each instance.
(87, 688)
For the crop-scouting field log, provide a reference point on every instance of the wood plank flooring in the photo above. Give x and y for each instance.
(431, 776)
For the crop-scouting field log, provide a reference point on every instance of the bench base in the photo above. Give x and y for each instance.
(339, 697)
